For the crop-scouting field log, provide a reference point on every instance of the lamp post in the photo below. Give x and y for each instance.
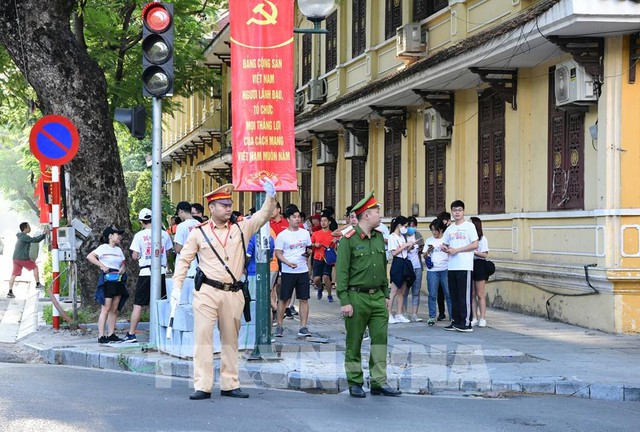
(316, 11)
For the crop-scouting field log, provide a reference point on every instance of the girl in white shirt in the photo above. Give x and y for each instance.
(110, 258)
(437, 264)
(480, 277)
(402, 274)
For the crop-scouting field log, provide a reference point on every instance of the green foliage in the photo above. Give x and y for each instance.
(16, 184)
(47, 275)
(141, 198)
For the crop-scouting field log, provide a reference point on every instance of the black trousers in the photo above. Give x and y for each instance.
(460, 291)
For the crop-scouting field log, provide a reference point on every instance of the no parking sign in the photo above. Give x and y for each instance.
(54, 140)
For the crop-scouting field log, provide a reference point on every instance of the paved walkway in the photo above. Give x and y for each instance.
(515, 353)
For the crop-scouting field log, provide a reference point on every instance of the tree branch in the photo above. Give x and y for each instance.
(78, 24)
(126, 22)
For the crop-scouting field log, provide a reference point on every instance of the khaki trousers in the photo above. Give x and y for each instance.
(211, 305)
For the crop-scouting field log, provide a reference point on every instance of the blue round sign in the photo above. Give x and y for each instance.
(54, 140)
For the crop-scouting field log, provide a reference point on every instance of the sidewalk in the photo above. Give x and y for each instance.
(515, 353)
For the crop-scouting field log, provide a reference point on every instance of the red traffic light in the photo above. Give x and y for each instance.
(156, 17)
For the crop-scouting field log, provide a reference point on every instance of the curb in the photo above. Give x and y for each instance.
(278, 375)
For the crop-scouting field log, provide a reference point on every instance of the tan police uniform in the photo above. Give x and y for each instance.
(213, 304)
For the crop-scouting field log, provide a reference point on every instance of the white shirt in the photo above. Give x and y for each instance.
(385, 235)
(395, 241)
(483, 246)
(457, 236)
(111, 257)
(413, 255)
(182, 232)
(293, 244)
(439, 258)
(142, 244)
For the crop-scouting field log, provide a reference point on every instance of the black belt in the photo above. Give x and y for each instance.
(233, 287)
(363, 289)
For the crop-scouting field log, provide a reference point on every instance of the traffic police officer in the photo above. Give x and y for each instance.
(218, 299)
(363, 289)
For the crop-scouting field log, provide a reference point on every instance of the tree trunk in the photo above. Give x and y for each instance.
(38, 37)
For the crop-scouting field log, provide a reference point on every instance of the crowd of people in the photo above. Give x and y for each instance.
(373, 270)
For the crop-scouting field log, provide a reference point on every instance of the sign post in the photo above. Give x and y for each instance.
(54, 140)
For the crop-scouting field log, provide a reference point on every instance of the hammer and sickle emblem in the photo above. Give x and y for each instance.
(269, 18)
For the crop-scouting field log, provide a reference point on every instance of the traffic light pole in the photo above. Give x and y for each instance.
(156, 217)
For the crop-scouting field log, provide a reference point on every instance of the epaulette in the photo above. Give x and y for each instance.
(340, 231)
(349, 232)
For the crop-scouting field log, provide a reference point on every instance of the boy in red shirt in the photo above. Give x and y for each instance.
(320, 241)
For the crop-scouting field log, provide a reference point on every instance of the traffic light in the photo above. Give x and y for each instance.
(157, 50)
(134, 118)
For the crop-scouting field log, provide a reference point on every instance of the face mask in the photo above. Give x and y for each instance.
(403, 230)
(411, 231)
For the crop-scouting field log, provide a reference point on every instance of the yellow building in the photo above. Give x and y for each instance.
(528, 111)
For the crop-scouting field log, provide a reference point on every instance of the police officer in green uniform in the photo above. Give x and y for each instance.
(363, 289)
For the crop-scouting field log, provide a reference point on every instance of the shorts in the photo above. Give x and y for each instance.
(482, 269)
(297, 281)
(114, 289)
(18, 265)
(401, 272)
(321, 268)
(143, 290)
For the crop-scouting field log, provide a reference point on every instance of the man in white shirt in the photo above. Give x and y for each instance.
(460, 240)
(142, 251)
(185, 227)
(293, 246)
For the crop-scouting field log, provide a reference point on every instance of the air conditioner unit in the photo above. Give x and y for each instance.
(317, 91)
(325, 156)
(303, 161)
(573, 85)
(409, 40)
(298, 102)
(435, 127)
(353, 148)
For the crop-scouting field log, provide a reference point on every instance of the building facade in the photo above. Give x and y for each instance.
(527, 110)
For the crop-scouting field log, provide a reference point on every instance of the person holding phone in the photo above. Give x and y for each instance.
(436, 260)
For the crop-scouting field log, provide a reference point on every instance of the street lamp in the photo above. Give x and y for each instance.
(316, 11)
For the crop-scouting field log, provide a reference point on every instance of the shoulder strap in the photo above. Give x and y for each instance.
(218, 255)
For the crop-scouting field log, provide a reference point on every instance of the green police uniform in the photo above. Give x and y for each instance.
(362, 282)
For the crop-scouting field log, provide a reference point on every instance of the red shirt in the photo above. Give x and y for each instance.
(325, 238)
(278, 227)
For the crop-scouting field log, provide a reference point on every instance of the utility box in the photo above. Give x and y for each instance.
(67, 244)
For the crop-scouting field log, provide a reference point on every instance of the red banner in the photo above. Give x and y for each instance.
(263, 138)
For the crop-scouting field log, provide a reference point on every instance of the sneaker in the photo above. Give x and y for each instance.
(392, 319)
(415, 318)
(442, 317)
(130, 338)
(431, 322)
(103, 340)
(474, 322)
(288, 314)
(114, 338)
(11, 295)
(39, 286)
(304, 332)
(402, 319)
(330, 298)
(279, 331)
(482, 323)
(463, 329)
(319, 295)
(293, 310)
(450, 327)
(366, 336)
(274, 319)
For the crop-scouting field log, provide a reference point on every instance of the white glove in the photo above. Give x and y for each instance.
(269, 187)
(176, 294)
